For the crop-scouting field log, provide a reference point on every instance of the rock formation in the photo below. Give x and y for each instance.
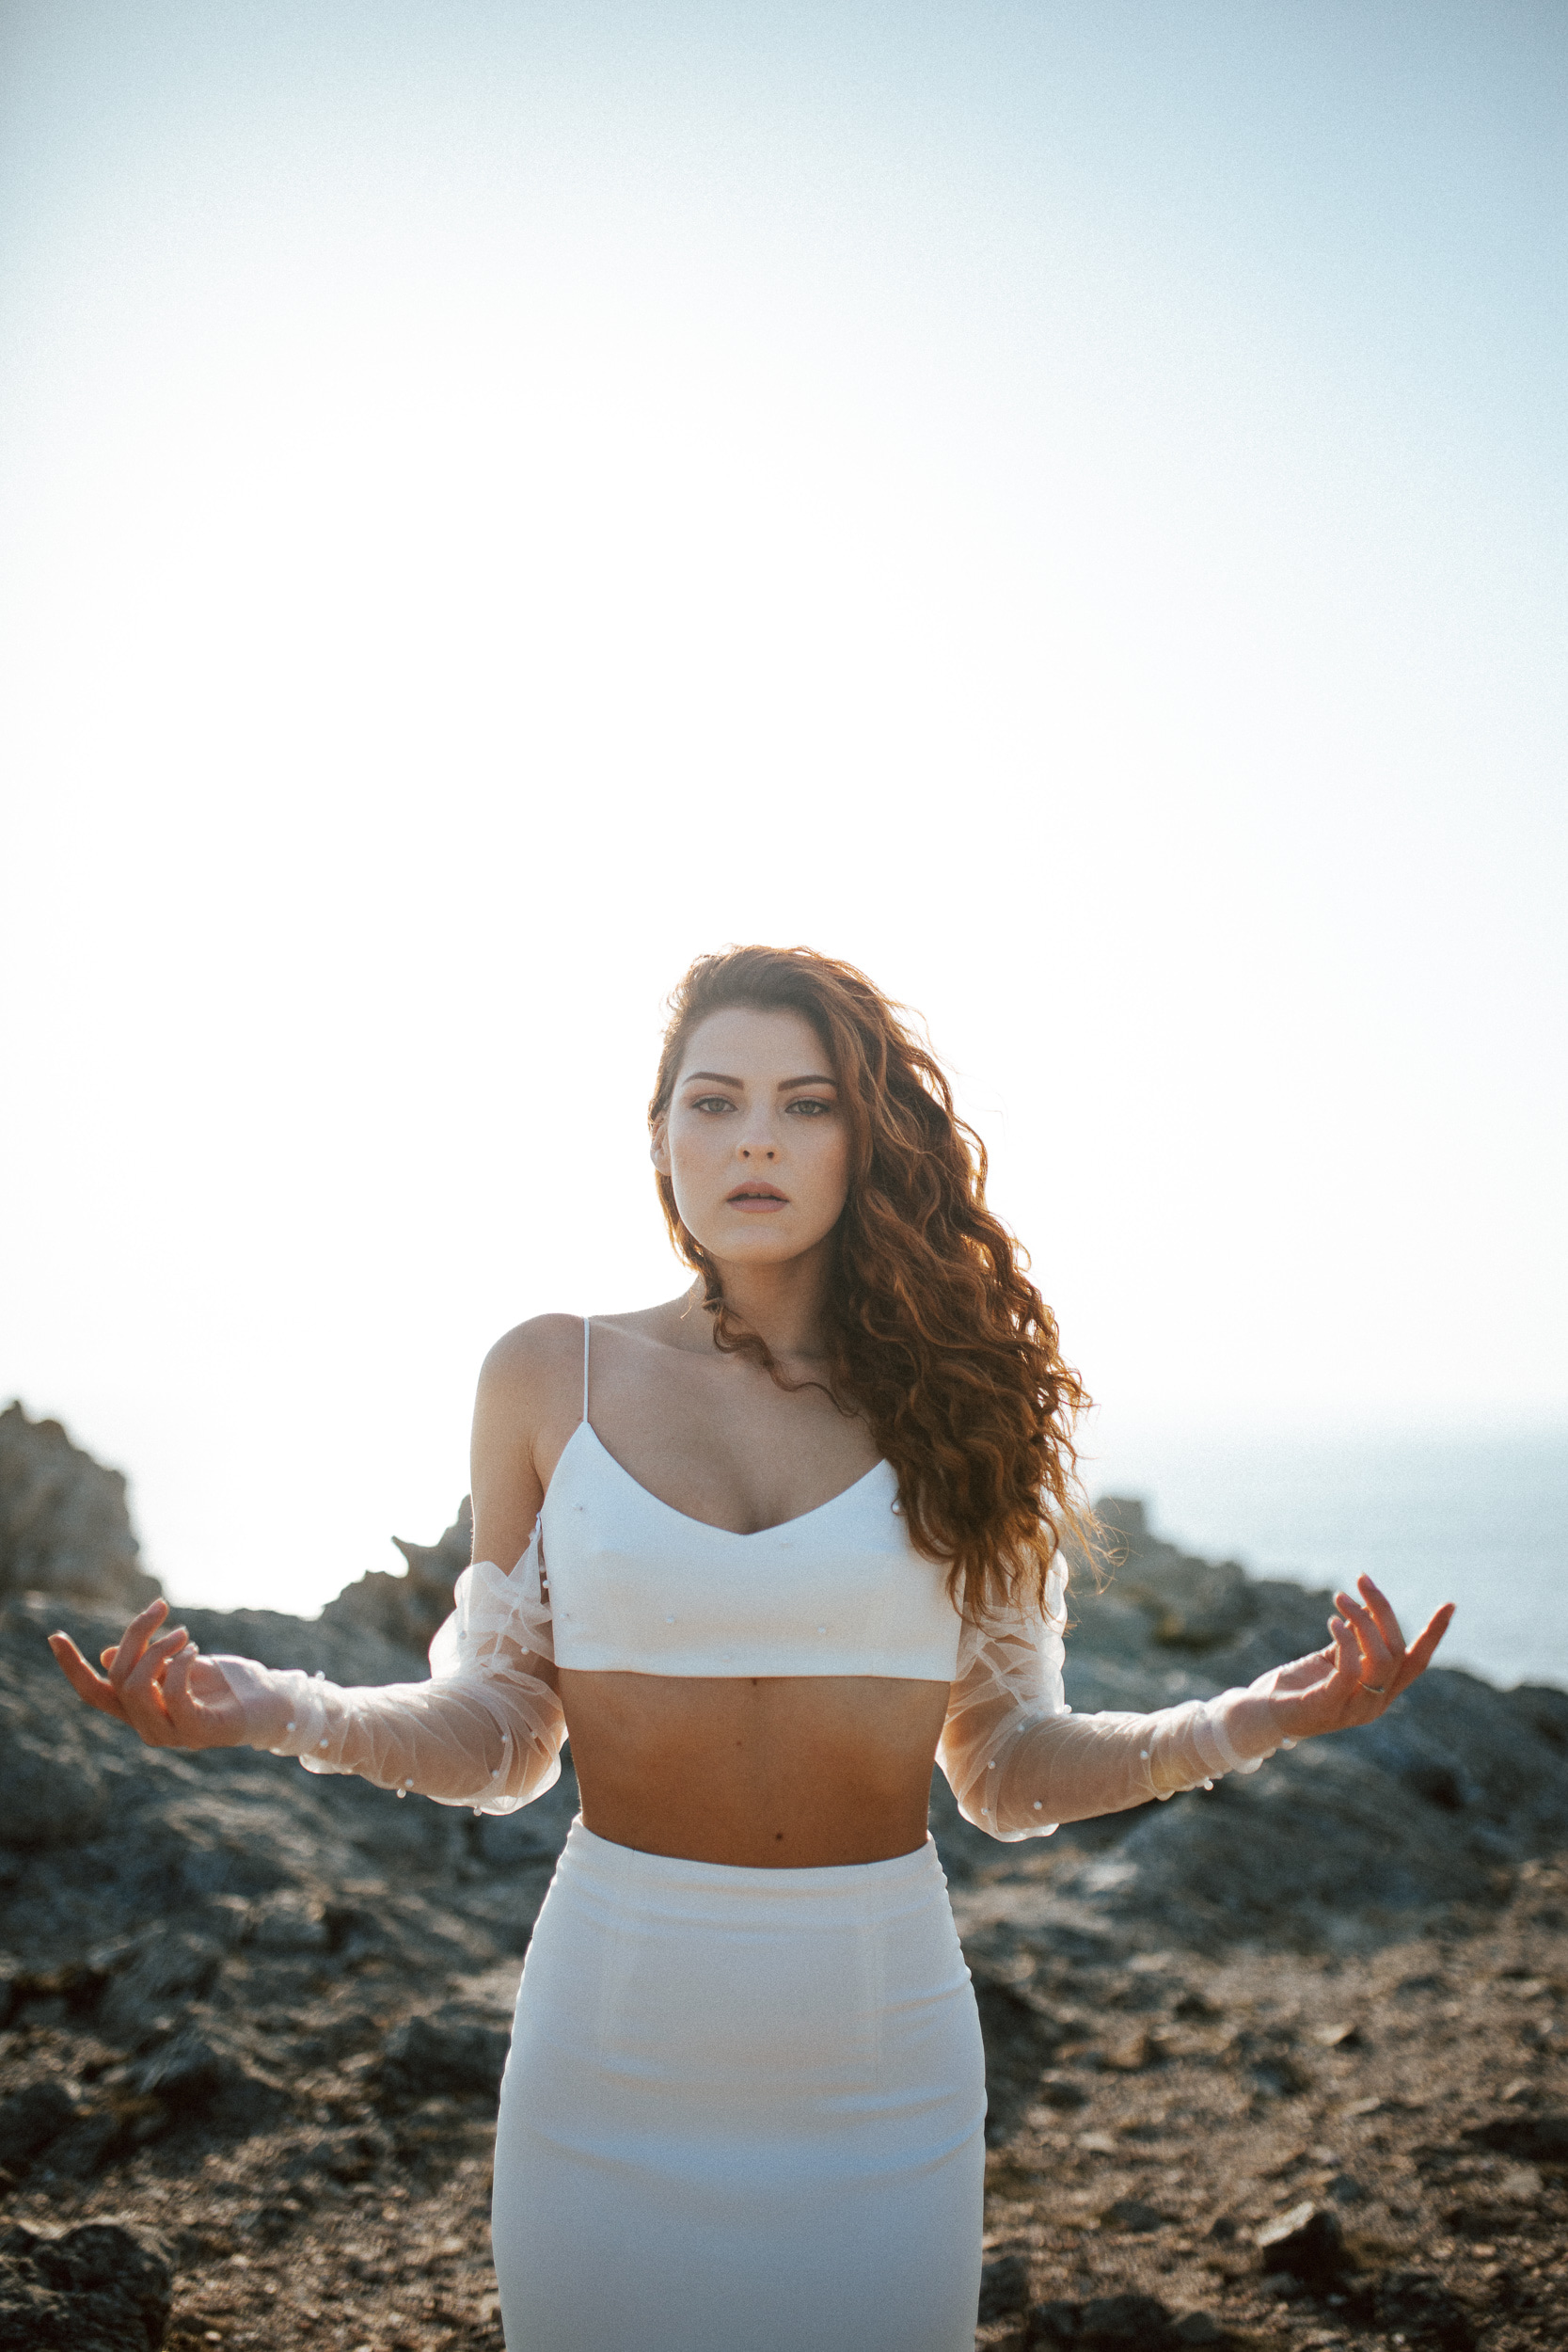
(1284, 2058)
(1189, 1603)
(64, 1527)
(407, 1609)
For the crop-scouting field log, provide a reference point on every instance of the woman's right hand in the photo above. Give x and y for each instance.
(158, 1683)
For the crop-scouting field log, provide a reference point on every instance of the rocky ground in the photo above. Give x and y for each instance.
(1276, 2065)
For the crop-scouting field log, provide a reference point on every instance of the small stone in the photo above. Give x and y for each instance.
(1124, 2323)
(1420, 2307)
(1054, 2323)
(1003, 2287)
(286, 1924)
(1278, 2076)
(1533, 2138)
(1346, 2189)
(1098, 2143)
(1131, 2214)
(1341, 2037)
(1061, 2092)
(1194, 2005)
(1132, 2054)
(1307, 2243)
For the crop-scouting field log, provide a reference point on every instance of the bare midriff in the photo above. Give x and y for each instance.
(789, 1772)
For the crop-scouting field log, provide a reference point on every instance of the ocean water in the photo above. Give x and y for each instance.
(1482, 1522)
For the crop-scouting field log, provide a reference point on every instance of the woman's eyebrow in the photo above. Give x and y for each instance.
(718, 1078)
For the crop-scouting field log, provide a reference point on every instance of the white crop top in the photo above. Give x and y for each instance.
(627, 1584)
(636, 1586)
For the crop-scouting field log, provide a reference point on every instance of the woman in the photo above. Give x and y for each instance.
(778, 1542)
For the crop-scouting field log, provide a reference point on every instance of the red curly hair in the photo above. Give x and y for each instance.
(935, 1336)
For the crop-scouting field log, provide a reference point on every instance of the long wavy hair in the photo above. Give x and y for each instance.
(936, 1337)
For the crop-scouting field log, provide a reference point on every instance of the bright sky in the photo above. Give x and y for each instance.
(1062, 505)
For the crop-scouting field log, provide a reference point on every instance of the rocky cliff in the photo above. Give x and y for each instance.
(64, 1526)
(409, 1608)
(1280, 2064)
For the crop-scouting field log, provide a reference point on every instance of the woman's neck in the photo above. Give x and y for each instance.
(785, 1305)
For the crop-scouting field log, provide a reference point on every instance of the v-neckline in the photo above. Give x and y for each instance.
(736, 1534)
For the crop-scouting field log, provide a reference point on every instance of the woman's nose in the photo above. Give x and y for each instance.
(758, 1149)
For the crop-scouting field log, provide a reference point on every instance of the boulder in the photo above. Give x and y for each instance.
(96, 2289)
(1003, 2287)
(196, 2082)
(452, 2053)
(1125, 2323)
(30, 2119)
(1107, 2323)
(160, 1974)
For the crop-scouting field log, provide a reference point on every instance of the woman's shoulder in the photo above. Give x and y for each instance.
(542, 1357)
(529, 1401)
(534, 1355)
(540, 1339)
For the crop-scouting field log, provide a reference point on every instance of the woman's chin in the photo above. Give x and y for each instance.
(757, 1241)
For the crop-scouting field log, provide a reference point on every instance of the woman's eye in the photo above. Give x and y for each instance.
(812, 1107)
(713, 1102)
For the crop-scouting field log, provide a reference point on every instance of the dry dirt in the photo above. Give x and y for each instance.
(1158, 2114)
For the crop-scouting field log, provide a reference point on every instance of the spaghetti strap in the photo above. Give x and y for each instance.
(585, 1366)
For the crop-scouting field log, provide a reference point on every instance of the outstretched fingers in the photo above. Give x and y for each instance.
(137, 1634)
(1349, 1659)
(83, 1681)
(141, 1690)
(159, 1683)
(1407, 1662)
(1380, 1657)
(140, 1641)
(1418, 1657)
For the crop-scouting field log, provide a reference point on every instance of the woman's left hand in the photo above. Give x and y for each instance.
(1362, 1671)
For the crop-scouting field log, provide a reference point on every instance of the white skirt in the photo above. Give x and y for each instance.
(743, 2112)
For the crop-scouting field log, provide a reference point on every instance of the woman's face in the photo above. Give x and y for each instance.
(754, 1141)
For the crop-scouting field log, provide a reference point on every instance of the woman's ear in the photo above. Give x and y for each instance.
(658, 1145)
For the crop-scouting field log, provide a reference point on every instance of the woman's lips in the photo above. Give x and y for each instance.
(757, 1203)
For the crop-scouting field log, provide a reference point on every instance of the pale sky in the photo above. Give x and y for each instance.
(1065, 506)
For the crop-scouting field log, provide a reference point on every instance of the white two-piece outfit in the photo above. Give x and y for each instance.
(743, 2109)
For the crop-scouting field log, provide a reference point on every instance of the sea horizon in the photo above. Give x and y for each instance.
(1480, 1519)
